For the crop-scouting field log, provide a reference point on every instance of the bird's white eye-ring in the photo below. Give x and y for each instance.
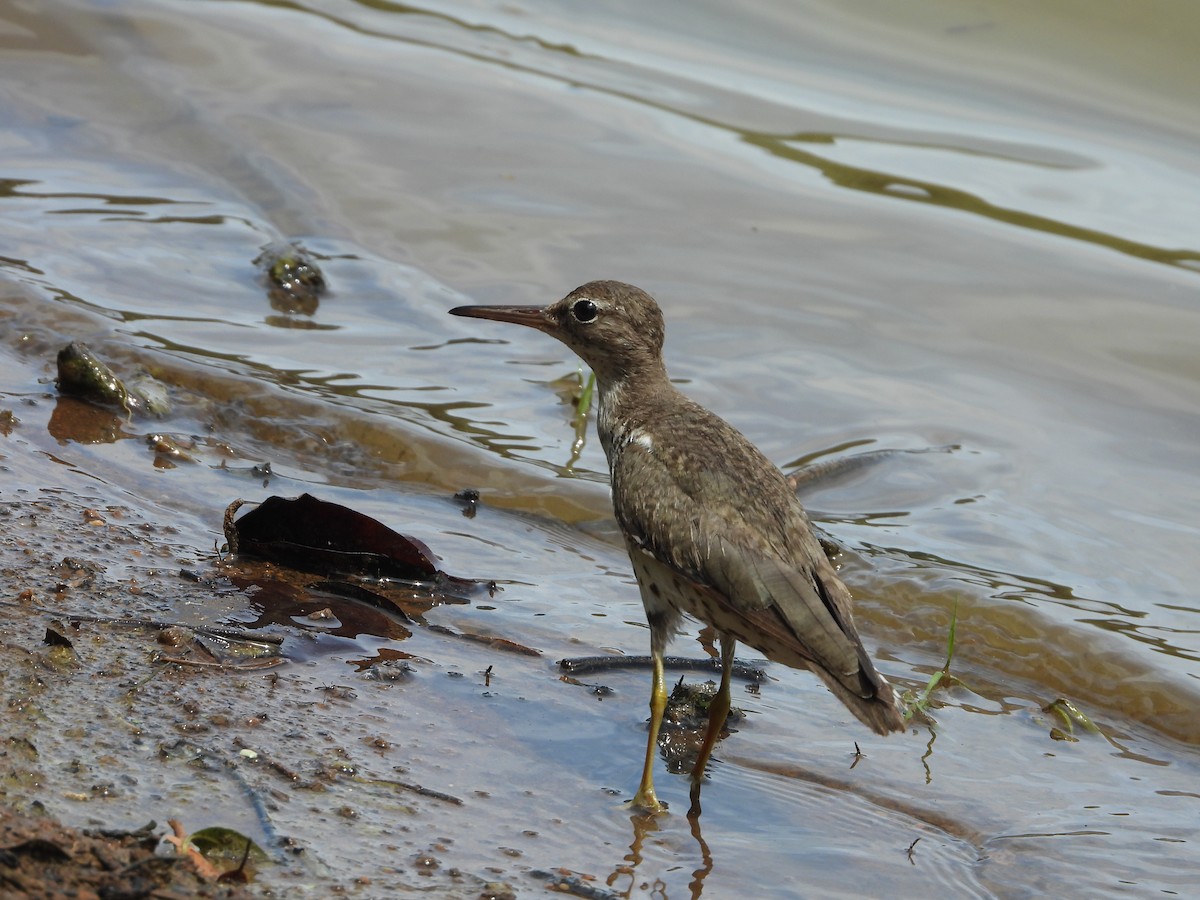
(584, 311)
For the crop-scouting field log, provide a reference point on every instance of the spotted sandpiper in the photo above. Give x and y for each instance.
(711, 525)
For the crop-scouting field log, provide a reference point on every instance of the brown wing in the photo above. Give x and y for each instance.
(730, 525)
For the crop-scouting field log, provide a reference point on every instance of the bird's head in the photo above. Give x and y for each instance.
(616, 328)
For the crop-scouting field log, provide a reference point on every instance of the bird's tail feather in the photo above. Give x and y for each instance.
(880, 712)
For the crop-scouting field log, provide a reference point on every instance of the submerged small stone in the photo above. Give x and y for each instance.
(294, 280)
(82, 374)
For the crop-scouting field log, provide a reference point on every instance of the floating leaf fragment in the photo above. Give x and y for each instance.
(1069, 715)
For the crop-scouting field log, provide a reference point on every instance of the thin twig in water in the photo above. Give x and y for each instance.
(910, 851)
(415, 788)
(248, 666)
(582, 665)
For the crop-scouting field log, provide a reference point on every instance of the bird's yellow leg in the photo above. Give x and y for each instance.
(645, 798)
(718, 711)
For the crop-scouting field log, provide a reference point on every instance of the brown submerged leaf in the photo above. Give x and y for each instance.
(332, 540)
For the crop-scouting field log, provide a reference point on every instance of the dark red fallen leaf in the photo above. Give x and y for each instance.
(329, 539)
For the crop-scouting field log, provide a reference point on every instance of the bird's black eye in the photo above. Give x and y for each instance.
(584, 310)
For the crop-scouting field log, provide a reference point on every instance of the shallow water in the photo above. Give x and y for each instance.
(966, 232)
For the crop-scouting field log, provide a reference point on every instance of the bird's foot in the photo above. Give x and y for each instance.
(646, 802)
(694, 796)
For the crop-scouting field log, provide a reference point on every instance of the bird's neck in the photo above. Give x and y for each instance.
(627, 405)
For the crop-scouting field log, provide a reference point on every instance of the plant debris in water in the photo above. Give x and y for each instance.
(577, 391)
(685, 721)
(329, 539)
(919, 702)
(373, 579)
(1068, 716)
(295, 282)
(469, 498)
(220, 854)
(583, 665)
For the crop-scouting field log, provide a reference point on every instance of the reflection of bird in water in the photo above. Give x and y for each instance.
(712, 527)
(626, 871)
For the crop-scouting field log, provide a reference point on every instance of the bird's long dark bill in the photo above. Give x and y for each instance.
(533, 316)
